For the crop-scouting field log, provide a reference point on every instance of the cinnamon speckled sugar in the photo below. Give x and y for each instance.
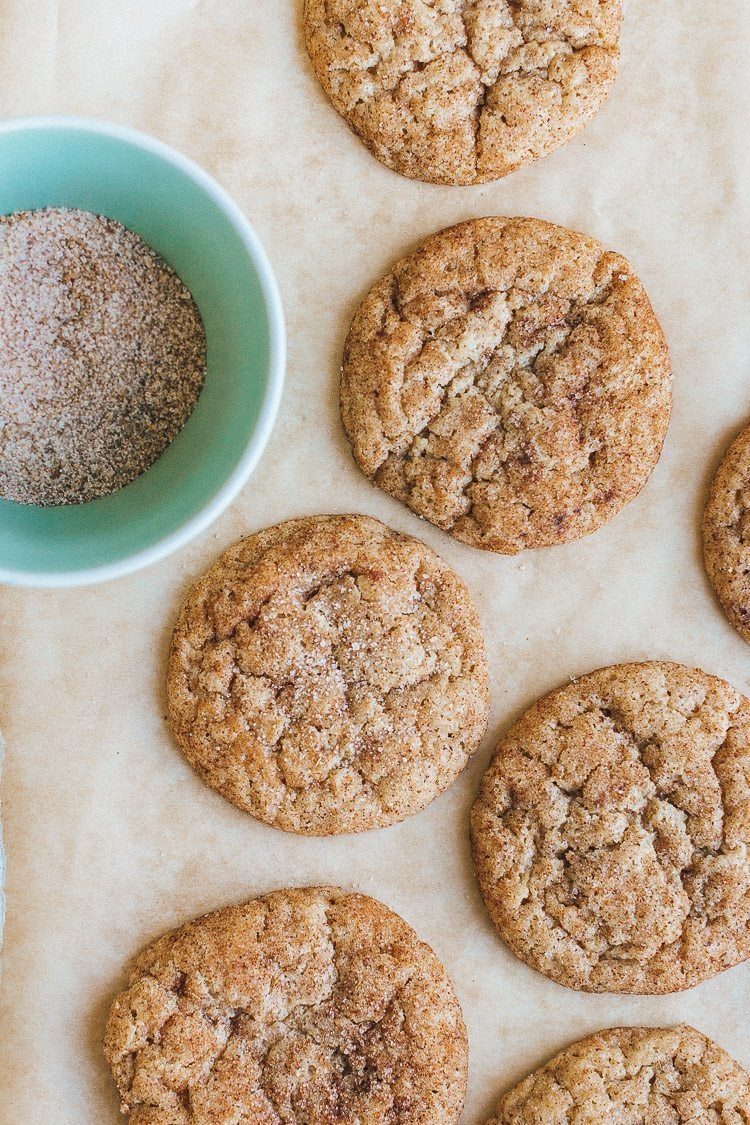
(102, 356)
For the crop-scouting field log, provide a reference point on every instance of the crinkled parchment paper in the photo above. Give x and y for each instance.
(110, 838)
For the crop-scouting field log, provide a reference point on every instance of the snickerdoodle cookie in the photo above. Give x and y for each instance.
(464, 91)
(311, 1005)
(726, 534)
(328, 675)
(638, 1075)
(611, 835)
(509, 381)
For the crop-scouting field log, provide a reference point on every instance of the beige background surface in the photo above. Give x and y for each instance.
(110, 838)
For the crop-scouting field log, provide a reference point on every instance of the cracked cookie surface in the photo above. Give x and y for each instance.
(309, 1005)
(509, 382)
(726, 534)
(633, 1075)
(328, 675)
(611, 834)
(464, 91)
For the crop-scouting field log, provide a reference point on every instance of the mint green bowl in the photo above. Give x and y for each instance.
(187, 218)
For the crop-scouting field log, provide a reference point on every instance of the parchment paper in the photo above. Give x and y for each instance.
(110, 838)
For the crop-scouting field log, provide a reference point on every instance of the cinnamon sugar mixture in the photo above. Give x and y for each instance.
(102, 356)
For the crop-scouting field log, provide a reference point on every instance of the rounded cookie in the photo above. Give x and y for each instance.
(726, 534)
(328, 675)
(509, 381)
(638, 1075)
(463, 91)
(611, 834)
(311, 1005)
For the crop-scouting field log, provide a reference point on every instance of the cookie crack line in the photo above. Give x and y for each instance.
(471, 462)
(349, 754)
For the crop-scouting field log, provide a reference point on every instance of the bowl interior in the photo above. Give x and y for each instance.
(179, 217)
